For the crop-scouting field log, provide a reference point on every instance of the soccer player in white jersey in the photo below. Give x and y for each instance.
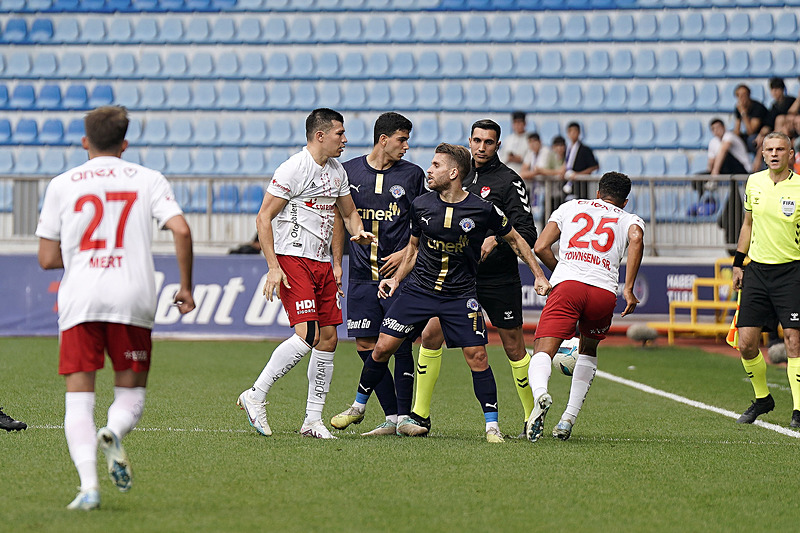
(295, 228)
(96, 224)
(592, 236)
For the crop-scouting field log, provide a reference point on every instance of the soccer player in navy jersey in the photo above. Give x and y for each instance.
(448, 226)
(382, 186)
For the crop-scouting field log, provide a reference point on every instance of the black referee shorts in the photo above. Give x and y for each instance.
(770, 293)
(503, 304)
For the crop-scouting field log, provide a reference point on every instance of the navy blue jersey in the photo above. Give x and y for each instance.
(450, 239)
(383, 200)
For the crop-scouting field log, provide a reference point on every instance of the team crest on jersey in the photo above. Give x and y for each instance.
(485, 191)
(397, 191)
(788, 207)
(129, 171)
(467, 224)
(472, 304)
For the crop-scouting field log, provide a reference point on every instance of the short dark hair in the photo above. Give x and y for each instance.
(517, 115)
(558, 140)
(714, 121)
(106, 127)
(388, 123)
(486, 124)
(574, 125)
(321, 119)
(460, 156)
(741, 86)
(534, 136)
(616, 185)
(776, 83)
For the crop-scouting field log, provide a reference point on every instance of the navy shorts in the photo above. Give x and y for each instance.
(770, 295)
(365, 311)
(461, 317)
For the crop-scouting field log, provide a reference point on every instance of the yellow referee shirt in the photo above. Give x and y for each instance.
(775, 238)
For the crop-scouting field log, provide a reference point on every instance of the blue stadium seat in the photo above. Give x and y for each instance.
(622, 64)
(358, 132)
(576, 28)
(477, 65)
(785, 62)
(376, 30)
(708, 98)
(599, 27)
(255, 96)
(180, 132)
(97, 65)
(53, 163)
(617, 97)
(276, 157)
(305, 96)
(551, 28)
(201, 66)
(198, 202)
(428, 133)
(428, 96)
(249, 31)
(253, 164)
(229, 163)
(761, 66)
(74, 133)
(453, 97)
(633, 166)
(4, 96)
(52, 132)
(610, 162)
(101, 95)
(593, 98)
(644, 134)
(226, 65)
(134, 132)
(377, 65)
(18, 65)
(27, 161)
(655, 165)
(662, 97)
(278, 65)
(6, 187)
(5, 132)
(204, 95)
(669, 27)
(502, 64)
(571, 97)
(77, 157)
(49, 97)
(552, 65)
(206, 132)
(351, 30)
(252, 66)
(575, 64)
(698, 164)
(476, 29)
(645, 64)
(252, 195)
(599, 64)
(548, 129)
(685, 98)
(182, 193)
(146, 31)
(404, 95)
(41, 31)
(44, 65)
(714, 64)
(226, 199)
(639, 98)
(691, 65)
(75, 97)
(230, 96)
(667, 134)
(401, 29)
(26, 132)
(678, 165)
(623, 28)
(691, 135)
(403, 65)
(179, 162)
(353, 66)
(668, 63)
(93, 30)
(621, 134)
(22, 97)
(527, 64)
(786, 27)
(500, 29)
(300, 30)
(224, 31)
(547, 97)
(16, 31)
(280, 96)
(171, 31)
(149, 65)
(739, 27)
(500, 97)
(428, 64)
(715, 27)
(646, 26)
(123, 65)
(280, 132)
(738, 63)
(453, 132)
(153, 96)
(596, 134)
(66, 30)
(176, 66)
(204, 163)
(302, 66)
(525, 29)
(198, 30)
(762, 27)
(477, 97)
(693, 26)
(155, 158)
(524, 97)
(154, 132)
(255, 133)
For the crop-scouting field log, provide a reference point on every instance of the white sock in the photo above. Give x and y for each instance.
(320, 374)
(490, 425)
(582, 376)
(392, 419)
(539, 373)
(126, 410)
(283, 358)
(81, 436)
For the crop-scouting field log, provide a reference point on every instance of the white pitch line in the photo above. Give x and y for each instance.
(699, 405)
(177, 430)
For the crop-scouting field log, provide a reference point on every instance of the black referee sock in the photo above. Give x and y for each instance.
(384, 390)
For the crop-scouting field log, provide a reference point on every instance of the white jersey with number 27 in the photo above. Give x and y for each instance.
(594, 236)
(102, 212)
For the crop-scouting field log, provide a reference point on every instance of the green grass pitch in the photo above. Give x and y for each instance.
(636, 462)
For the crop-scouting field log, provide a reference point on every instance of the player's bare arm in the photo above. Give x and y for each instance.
(337, 248)
(182, 235)
(352, 221)
(50, 254)
(489, 244)
(742, 246)
(270, 207)
(544, 245)
(387, 286)
(523, 251)
(635, 253)
(391, 263)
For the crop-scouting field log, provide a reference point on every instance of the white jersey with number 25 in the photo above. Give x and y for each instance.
(594, 235)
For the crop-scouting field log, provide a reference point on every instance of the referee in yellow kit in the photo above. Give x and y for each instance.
(770, 286)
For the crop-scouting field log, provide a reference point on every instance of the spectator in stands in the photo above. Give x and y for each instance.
(248, 248)
(778, 117)
(750, 117)
(515, 145)
(727, 153)
(536, 151)
(580, 160)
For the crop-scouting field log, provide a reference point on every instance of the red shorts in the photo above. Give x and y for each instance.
(573, 302)
(313, 294)
(83, 347)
